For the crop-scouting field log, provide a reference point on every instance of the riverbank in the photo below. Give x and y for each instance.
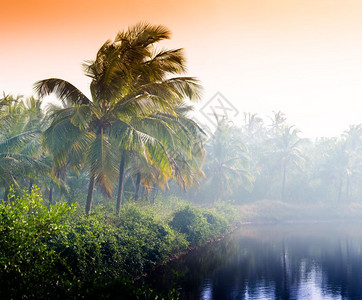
(58, 252)
(277, 211)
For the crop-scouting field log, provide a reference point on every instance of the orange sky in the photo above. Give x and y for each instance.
(301, 57)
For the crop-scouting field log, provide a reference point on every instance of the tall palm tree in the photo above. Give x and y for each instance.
(130, 82)
(287, 152)
(227, 161)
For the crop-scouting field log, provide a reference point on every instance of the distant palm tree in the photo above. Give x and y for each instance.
(227, 161)
(278, 121)
(343, 161)
(253, 125)
(287, 151)
(130, 82)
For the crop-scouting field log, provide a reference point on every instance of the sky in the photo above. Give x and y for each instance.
(301, 57)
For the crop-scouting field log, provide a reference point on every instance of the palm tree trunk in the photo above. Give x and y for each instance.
(120, 185)
(283, 183)
(155, 192)
(88, 205)
(138, 183)
(50, 196)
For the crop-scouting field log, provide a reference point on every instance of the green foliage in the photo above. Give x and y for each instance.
(198, 225)
(57, 251)
(26, 261)
(151, 237)
(227, 163)
(126, 289)
(99, 250)
(137, 109)
(90, 248)
(227, 212)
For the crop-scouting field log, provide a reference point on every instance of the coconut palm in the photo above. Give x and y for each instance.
(227, 161)
(277, 122)
(287, 152)
(180, 138)
(20, 159)
(130, 82)
(253, 125)
(342, 163)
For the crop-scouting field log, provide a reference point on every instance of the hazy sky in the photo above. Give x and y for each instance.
(301, 57)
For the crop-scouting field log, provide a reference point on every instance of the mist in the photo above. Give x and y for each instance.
(166, 150)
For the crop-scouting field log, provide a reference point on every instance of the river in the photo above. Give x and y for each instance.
(274, 261)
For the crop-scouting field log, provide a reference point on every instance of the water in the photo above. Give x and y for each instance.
(284, 261)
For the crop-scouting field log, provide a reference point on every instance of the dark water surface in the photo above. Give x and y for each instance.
(283, 261)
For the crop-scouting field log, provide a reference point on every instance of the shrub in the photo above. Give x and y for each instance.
(91, 250)
(227, 212)
(147, 238)
(218, 224)
(192, 223)
(27, 262)
(198, 225)
(99, 249)
(57, 252)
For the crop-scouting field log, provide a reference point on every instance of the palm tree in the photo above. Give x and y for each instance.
(277, 122)
(287, 151)
(253, 125)
(20, 134)
(130, 82)
(181, 142)
(343, 162)
(353, 140)
(227, 161)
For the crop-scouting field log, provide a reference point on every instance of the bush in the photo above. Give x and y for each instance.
(198, 225)
(227, 212)
(99, 249)
(57, 252)
(27, 262)
(91, 250)
(218, 224)
(147, 239)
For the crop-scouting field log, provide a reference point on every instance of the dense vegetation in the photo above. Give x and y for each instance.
(134, 141)
(60, 251)
(258, 161)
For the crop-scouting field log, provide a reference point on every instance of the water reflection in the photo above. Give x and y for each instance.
(300, 261)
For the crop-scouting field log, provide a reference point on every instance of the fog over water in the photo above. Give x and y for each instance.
(284, 261)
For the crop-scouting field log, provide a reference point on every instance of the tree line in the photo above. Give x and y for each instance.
(134, 137)
(269, 160)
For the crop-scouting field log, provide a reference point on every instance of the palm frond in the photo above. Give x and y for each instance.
(104, 162)
(65, 91)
